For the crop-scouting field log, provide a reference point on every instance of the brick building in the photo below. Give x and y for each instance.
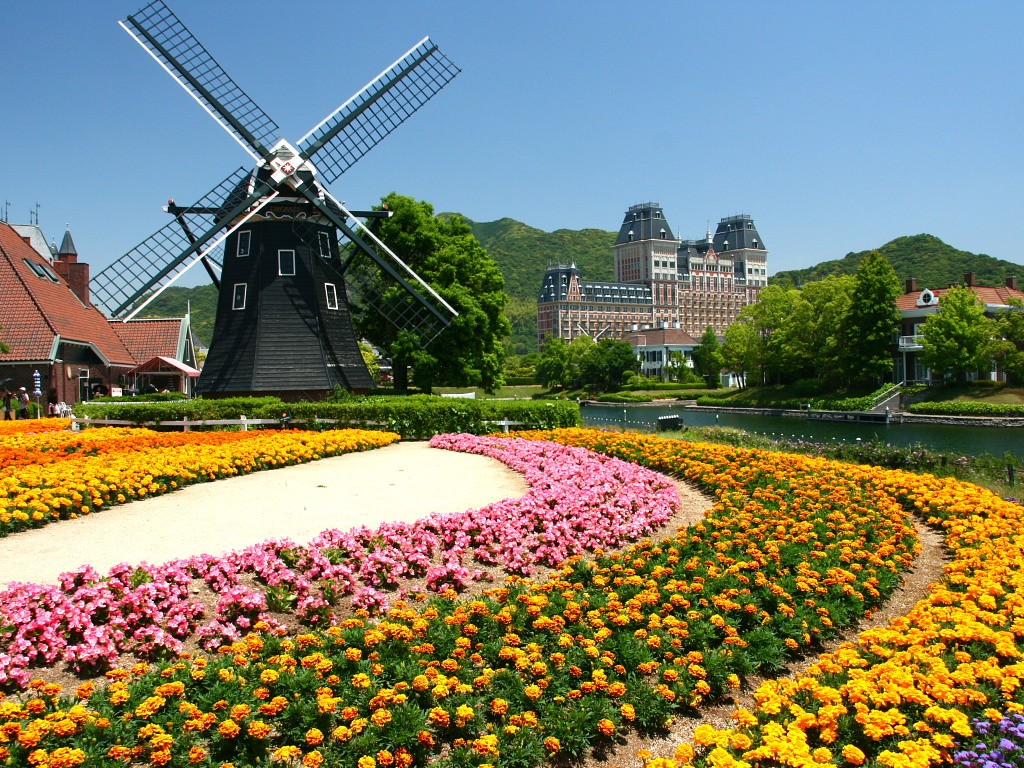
(661, 282)
(50, 325)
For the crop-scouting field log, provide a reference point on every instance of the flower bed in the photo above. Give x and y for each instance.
(577, 502)
(794, 550)
(55, 476)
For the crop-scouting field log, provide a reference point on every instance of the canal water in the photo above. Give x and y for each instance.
(968, 441)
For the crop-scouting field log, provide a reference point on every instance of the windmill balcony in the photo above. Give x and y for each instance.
(911, 343)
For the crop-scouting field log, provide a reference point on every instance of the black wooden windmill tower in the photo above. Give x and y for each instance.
(286, 255)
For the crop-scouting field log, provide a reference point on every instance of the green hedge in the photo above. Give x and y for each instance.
(416, 417)
(967, 408)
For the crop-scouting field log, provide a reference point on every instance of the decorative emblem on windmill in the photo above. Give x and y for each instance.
(284, 253)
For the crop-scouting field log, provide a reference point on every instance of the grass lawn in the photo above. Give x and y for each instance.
(974, 393)
(524, 392)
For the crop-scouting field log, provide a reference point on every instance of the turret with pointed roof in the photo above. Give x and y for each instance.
(67, 265)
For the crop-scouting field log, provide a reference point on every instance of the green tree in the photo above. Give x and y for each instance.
(607, 364)
(741, 352)
(4, 349)
(552, 368)
(370, 358)
(778, 317)
(1010, 348)
(870, 325)
(708, 359)
(443, 251)
(828, 301)
(958, 339)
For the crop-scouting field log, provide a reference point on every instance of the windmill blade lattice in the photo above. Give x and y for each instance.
(162, 34)
(371, 288)
(359, 124)
(169, 252)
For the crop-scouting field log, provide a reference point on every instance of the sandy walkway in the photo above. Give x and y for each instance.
(403, 481)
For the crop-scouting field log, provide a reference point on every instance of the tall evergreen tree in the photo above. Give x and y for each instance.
(871, 323)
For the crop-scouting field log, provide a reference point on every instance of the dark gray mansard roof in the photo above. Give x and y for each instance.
(556, 283)
(736, 232)
(645, 221)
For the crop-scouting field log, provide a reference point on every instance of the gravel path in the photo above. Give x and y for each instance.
(402, 481)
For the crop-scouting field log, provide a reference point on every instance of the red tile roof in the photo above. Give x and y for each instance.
(653, 337)
(147, 338)
(998, 296)
(35, 311)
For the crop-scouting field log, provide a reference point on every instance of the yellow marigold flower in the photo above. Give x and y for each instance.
(499, 706)
(228, 729)
(314, 736)
(551, 744)
(313, 760)
(605, 726)
(853, 755)
(684, 753)
(367, 762)
(286, 753)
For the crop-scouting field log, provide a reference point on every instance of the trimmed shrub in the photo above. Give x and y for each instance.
(416, 417)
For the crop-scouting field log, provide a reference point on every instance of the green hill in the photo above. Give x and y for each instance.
(175, 302)
(524, 253)
(925, 257)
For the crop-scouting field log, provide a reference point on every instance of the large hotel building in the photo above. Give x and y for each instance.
(661, 282)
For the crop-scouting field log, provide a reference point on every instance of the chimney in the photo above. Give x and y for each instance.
(970, 278)
(911, 285)
(1011, 282)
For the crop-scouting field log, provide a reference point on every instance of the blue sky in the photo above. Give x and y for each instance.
(837, 126)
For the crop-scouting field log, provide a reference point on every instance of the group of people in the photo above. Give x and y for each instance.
(15, 400)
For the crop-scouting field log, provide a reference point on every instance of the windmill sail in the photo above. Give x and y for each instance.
(358, 125)
(168, 253)
(167, 40)
(381, 281)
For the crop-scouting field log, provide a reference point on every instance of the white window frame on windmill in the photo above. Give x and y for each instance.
(331, 293)
(325, 245)
(284, 268)
(244, 243)
(235, 303)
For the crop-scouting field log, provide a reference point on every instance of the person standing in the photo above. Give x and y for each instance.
(22, 403)
(8, 405)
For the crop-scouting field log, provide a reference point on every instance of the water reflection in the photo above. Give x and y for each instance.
(969, 441)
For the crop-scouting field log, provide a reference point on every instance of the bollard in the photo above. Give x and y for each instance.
(245, 424)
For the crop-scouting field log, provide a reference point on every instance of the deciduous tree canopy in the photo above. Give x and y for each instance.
(444, 252)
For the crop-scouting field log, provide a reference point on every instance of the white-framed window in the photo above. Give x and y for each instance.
(238, 297)
(325, 245)
(332, 295)
(244, 243)
(285, 263)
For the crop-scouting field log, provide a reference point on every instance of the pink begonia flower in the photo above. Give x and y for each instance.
(578, 501)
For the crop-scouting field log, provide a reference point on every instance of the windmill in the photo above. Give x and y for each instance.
(287, 257)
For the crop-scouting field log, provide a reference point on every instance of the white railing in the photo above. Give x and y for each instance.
(911, 342)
